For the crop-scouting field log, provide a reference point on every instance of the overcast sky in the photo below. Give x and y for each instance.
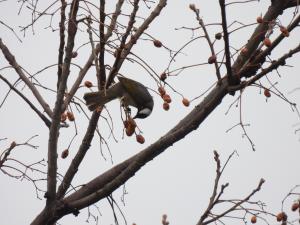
(179, 181)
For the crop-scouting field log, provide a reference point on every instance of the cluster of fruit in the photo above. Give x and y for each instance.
(280, 217)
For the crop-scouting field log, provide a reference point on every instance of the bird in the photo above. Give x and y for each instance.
(130, 92)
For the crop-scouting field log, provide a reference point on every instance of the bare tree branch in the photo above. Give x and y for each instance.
(54, 129)
(41, 115)
(12, 61)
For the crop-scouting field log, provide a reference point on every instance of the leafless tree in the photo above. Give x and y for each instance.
(110, 38)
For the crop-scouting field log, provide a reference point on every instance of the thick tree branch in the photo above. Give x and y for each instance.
(259, 34)
(244, 72)
(275, 65)
(87, 195)
(54, 129)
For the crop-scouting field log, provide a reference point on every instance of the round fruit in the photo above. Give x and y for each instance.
(267, 93)
(63, 117)
(192, 7)
(161, 91)
(267, 42)
(88, 84)
(131, 122)
(295, 206)
(140, 139)
(163, 76)
(65, 153)
(70, 116)
(284, 31)
(259, 19)
(185, 102)
(126, 123)
(129, 131)
(218, 36)
(166, 106)
(74, 54)
(212, 59)
(167, 98)
(281, 217)
(253, 219)
(157, 43)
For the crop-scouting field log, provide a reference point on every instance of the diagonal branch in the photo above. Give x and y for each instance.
(41, 115)
(114, 19)
(208, 40)
(85, 145)
(226, 39)
(119, 57)
(156, 11)
(259, 33)
(260, 58)
(12, 61)
(236, 205)
(100, 187)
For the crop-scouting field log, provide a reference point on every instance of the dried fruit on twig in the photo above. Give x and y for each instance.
(192, 7)
(161, 91)
(167, 98)
(267, 93)
(131, 122)
(157, 43)
(126, 123)
(163, 76)
(218, 36)
(70, 116)
(140, 139)
(74, 54)
(284, 31)
(253, 219)
(63, 117)
(129, 131)
(259, 19)
(166, 106)
(164, 220)
(88, 84)
(65, 153)
(295, 206)
(267, 42)
(130, 126)
(281, 217)
(212, 59)
(185, 102)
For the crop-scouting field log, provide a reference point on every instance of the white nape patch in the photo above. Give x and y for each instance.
(145, 111)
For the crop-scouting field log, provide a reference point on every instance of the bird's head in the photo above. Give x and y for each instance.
(144, 111)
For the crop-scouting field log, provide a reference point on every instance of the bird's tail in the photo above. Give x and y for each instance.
(100, 98)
